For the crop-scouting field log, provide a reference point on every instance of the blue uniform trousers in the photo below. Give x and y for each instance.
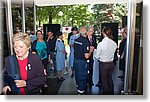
(81, 74)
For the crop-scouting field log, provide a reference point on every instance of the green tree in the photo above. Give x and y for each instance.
(73, 15)
(108, 13)
(100, 12)
(47, 13)
(41, 15)
(77, 15)
(119, 10)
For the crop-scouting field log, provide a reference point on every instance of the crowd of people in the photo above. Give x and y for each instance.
(26, 70)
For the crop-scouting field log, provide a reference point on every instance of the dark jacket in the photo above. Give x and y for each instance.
(51, 45)
(35, 73)
(92, 43)
(69, 35)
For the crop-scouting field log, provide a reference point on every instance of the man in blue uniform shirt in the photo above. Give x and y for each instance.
(82, 52)
(71, 44)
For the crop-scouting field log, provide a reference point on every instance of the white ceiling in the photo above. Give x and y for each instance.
(71, 2)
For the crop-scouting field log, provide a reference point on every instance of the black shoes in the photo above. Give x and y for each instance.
(60, 79)
(72, 75)
(121, 76)
(91, 84)
(98, 85)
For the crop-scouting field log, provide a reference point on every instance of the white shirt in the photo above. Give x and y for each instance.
(105, 50)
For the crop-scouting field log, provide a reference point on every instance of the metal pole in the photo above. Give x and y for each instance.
(23, 16)
(9, 24)
(34, 13)
(1, 45)
(139, 89)
(130, 46)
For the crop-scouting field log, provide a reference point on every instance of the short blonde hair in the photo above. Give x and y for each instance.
(91, 27)
(22, 37)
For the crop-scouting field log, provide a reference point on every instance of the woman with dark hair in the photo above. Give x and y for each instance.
(105, 54)
(60, 56)
(39, 47)
(121, 52)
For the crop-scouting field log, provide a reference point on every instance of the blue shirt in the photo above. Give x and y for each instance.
(33, 38)
(41, 50)
(72, 40)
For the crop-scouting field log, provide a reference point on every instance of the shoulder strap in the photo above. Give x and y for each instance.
(14, 68)
(14, 74)
(11, 60)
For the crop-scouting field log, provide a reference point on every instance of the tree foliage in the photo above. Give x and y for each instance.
(108, 13)
(47, 13)
(73, 15)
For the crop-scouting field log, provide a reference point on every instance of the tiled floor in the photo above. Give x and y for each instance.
(68, 86)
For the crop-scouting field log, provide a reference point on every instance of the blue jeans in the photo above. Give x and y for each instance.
(81, 74)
